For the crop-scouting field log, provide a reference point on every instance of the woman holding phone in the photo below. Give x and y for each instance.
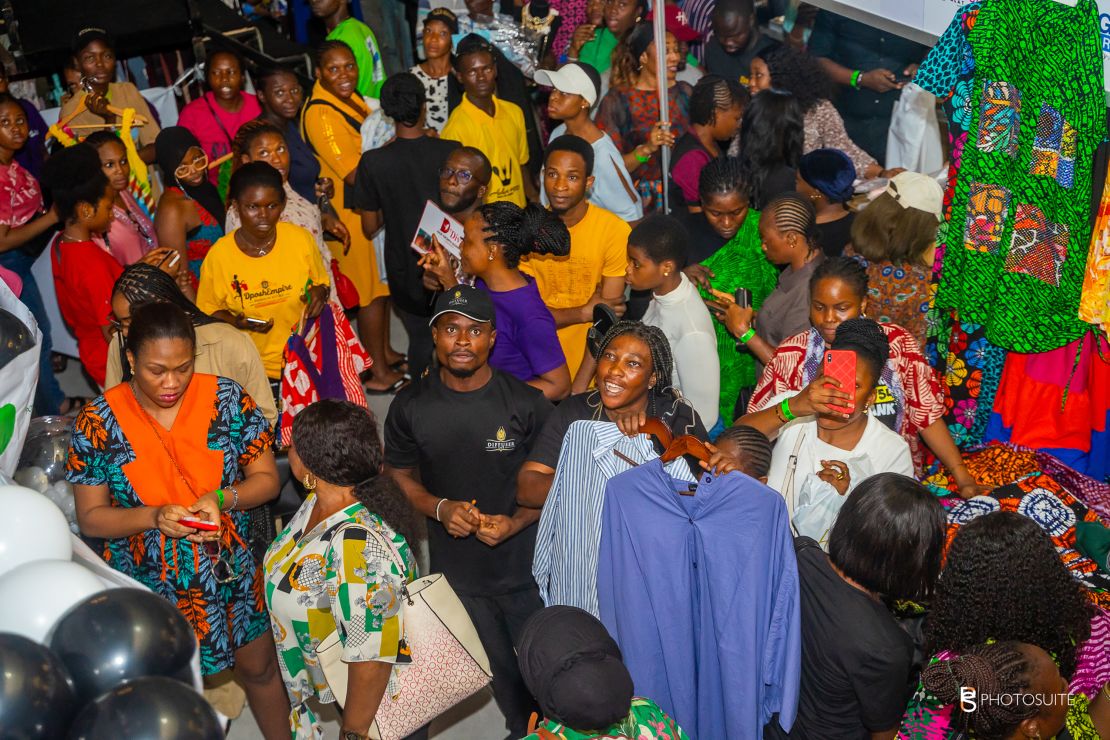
(911, 400)
(825, 431)
(163, 470)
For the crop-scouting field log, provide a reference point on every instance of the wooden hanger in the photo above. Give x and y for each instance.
(673, 447)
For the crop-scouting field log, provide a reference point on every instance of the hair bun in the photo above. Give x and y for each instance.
(542, 232)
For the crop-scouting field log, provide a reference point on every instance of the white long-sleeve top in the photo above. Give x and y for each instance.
(685, 320)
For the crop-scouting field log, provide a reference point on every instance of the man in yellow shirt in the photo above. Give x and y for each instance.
(488, 123)
(594, 271)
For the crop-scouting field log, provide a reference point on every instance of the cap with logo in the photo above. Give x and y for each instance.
(86, 36)
(677, 23)
(468, 301)
(574, 78)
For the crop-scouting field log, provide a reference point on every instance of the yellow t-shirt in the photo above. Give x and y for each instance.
(598, 248)
(267, 287)
(501, 138)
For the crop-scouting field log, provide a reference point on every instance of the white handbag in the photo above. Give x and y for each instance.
(448, 665)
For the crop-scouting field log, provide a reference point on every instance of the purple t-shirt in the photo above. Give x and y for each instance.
(526, 345)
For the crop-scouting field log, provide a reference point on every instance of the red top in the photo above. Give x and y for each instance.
(84, 275)
(214, 127)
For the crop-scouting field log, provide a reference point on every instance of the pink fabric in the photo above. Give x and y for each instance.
(1092, 670)
(13, 281)
(1055, 366)
(573, 13)
(20, 195)
(204, 118)
(687, 171)
(132, 233)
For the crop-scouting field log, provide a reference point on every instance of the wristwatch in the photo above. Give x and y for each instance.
(352, 735)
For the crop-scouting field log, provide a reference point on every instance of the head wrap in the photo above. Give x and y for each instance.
(830, 172)
(169, 150)
(573, 668)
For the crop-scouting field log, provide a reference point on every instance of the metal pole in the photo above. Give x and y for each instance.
(660, 29)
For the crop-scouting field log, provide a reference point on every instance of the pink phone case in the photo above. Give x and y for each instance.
(841, 364)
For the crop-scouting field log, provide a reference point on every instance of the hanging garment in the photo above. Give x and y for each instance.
(1059, 402)
(565, 561)
(1094, 303)
(1023, 85)
(701, 594)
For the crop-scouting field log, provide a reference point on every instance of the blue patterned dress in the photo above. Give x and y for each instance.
(222, 601)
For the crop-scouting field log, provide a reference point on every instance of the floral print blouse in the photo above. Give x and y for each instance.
(645, 721)
(315, 586)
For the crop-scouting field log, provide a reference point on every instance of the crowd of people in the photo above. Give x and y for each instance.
(745, 300)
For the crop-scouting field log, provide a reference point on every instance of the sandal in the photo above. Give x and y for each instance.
(403, 381)
(402, 365)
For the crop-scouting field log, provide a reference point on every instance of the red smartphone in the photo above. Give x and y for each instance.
(841, 364)
(200, 524)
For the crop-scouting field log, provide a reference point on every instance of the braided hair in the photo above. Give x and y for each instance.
(994, 669)
(523, 231)
(998, 561)
(755, 449)
(250, 131)
(712, 94)
(847, 269)
(868, 340)
(338, 442)
(793, 213)
(141, 284)
(662, 359)
(722, 176)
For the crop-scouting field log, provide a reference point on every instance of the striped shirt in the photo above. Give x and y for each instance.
(565, 560)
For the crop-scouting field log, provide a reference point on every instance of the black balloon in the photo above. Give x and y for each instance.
(15, 338)
(121, 634)
(152, 708)
(36, 695)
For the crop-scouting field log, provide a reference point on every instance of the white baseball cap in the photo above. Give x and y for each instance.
(575, 78)
(914, 190)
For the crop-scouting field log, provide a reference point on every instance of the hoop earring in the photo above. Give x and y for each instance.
(309, 482)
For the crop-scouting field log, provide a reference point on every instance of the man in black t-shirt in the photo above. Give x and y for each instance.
(735, 41)
(454, 441)
(392, 185)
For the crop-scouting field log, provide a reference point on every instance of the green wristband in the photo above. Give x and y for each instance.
(856, 78)
(220, 498)
(747, 336)
(786, 412)
(642, 160)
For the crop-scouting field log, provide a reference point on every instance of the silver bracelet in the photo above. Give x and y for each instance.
(437, 509)
(235, 498)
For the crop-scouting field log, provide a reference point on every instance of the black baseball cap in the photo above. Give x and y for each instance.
(471, 302)
(86, 36)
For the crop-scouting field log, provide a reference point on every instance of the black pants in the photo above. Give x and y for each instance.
(420, 340)
(499, 621)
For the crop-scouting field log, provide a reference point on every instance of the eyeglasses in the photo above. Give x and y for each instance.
(463, 176)
(200, 164)
(224, 567)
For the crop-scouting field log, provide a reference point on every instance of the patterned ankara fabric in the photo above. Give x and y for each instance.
(1094, 303)
(739, 263)
(927, 719)
(222, 603)
(1022, 85)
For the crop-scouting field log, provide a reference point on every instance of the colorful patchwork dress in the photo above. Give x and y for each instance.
(1022, 83)
(218, 431)
(315, 586)
(645, 721)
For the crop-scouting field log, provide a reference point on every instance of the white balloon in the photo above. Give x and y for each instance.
(35, 595)
(31, 528)
(32, 477)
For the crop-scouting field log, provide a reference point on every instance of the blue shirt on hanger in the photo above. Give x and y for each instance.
(701, 594)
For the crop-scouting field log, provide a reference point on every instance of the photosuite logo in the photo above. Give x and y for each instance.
(968, 700)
